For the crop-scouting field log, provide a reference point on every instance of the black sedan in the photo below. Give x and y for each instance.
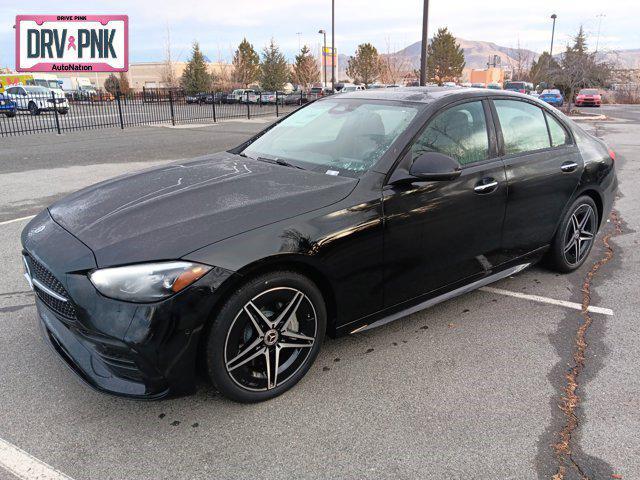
(353, 211)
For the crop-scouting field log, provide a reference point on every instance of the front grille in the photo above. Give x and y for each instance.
(40, 273)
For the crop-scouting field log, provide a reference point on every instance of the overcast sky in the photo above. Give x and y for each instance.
(220, 25)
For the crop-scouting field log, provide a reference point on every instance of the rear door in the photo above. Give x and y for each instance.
(441, 232)
(543, 168)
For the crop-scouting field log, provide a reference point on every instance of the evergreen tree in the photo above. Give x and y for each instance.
(305, 69)
(246, 64)
(195, 77)
(445, 58)
(274, 70)
(365, 66)
(543, 69)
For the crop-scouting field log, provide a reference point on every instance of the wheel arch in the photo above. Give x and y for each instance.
(596, 196)
(296, 263)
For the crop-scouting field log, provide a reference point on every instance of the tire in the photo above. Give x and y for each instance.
(568, 249)
(242, 353)
(63, 111)
(11, 114)
(33, 109)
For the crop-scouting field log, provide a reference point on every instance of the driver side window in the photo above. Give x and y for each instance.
(459, 132)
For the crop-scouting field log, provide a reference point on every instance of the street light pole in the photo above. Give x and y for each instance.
(324, 55)
(599, 25)
(333, 45)
(425, 44)
(553, 31)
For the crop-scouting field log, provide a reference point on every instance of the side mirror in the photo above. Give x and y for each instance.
(435, 166)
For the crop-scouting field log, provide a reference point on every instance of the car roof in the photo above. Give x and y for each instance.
(424, 94)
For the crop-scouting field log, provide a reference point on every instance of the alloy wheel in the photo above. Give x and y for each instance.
(270, 339)
(579, 234)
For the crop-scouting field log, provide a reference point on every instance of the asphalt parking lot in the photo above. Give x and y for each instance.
(471, 388)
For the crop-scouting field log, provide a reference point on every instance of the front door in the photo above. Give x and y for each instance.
(440, 232)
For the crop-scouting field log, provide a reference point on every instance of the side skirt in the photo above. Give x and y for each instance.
(444, 297)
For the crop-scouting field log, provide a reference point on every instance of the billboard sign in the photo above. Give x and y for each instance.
(72, 43)
(329, 56)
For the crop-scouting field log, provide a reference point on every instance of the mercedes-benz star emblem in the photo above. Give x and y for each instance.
(271, 337)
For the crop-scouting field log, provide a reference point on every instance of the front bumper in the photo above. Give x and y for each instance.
(145, 351)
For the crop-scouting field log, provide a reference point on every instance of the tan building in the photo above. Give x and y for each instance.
(150, 74)
(486, 76)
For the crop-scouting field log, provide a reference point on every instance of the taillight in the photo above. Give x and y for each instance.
(612, 155)
(522, 90)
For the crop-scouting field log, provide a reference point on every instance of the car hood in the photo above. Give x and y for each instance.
(166, 212)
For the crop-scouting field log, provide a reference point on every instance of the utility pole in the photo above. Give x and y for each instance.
(599, 25)
(298, 34)
(333, 45)
(324, 55)
(425, 44)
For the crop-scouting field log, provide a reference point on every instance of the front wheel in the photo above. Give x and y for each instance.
(63, 111)
(33, 109)
(266, 336)
(575, 236)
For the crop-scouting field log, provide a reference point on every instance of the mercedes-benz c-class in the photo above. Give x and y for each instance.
(355, 210)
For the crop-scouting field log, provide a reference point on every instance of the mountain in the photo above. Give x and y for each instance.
(476, 53)
(622, 59)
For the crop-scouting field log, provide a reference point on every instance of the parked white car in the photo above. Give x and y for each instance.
(352, 88)
(36, 99)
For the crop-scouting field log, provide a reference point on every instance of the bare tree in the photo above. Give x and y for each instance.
(169, 77)
(579, 68)
(520, 63)
(393, 67)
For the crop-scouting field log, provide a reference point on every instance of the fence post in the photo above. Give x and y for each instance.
(213, 97)
(277, 100)
(120, 110)
(55, 109)
(300, 97)
(248, 107)
(173, 117)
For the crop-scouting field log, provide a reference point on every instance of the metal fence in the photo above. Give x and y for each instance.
(31, 113)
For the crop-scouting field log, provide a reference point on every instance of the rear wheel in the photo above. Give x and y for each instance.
(575, 236)
(33, 109)
(266, 336)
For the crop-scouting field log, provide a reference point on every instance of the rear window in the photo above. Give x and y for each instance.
(523, 126)
(516, 85)
(559, 135)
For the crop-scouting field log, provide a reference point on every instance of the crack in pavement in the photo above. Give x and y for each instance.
(571, 399)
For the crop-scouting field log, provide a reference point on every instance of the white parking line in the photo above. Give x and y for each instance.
(7, 222)
(25, 466)
(550, 301)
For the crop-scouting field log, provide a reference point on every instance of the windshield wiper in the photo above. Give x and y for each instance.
(279, 161)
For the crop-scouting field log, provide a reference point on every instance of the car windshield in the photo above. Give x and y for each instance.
(551, 92)
(337, 137)
(517, 85)
(588, 92)
(38, 90)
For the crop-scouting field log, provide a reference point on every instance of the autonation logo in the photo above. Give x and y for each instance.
(51, 43)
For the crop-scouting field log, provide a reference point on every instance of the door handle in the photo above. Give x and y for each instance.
(568, 166)
(486, 185)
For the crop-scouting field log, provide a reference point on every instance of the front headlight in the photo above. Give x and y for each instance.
(148, 282)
